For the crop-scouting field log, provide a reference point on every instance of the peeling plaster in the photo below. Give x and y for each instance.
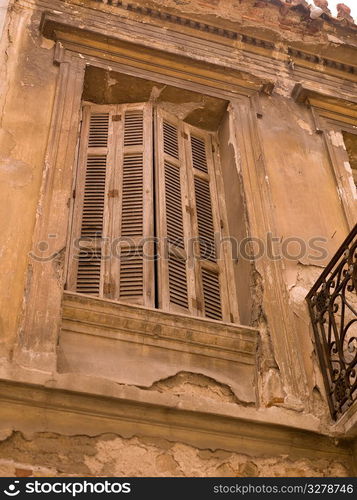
(232, 140)
(347, 166)
(3, 10)
(111, 455)
(110, 452)
(182, 110)
(196, 385)
(334, 39)
(353, 187)
(305, 126)
(337, 139)
(47, 44)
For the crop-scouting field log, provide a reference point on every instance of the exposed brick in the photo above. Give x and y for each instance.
(344, 12)
(23, 472)
(261, 3)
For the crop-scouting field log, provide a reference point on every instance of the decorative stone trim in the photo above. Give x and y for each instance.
(134, 323)
(226, 33)
(313, 58)
(190, 23)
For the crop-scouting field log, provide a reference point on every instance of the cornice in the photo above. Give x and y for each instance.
(230, 34)
(328, 104)
(32, 408)
(312, 58)
(281, 51)
(115, 47)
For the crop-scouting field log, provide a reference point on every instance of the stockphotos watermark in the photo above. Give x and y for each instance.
(250, 249)
(70, 488)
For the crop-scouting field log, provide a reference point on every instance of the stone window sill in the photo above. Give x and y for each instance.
(139, 346)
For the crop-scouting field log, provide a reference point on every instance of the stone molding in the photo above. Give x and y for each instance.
(31, 408)
(132, 323)
(253, 42)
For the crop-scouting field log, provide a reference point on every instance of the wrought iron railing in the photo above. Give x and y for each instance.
(333, 308)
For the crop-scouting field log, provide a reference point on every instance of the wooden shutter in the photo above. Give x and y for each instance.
(113, 213)
(133, 271)
(89, 225)
(176, 288)
(113, 208)
(211, 272)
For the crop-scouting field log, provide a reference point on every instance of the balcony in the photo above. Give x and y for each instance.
(333, 309)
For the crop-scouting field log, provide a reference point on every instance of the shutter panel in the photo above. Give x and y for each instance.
(89, 229)
(206, 229)
(210, 269)
(134, 272)
(176, 281)
(211, 294)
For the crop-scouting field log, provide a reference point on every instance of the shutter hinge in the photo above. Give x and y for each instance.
(213, 149)
(221, 223)
(108, 288)
(114, 193)
(184, 135)
(74, 193)
(116, 118)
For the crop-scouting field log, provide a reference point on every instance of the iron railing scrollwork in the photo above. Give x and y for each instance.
(333, 309)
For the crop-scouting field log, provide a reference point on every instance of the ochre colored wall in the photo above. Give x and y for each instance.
(27, 93)
(303, 203)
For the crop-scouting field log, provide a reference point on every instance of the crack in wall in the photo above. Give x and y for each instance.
(110, 455)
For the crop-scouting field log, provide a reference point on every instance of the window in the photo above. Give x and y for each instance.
(147, 212)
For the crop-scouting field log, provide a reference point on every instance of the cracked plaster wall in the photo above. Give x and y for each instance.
(298, 175)
(28, 78)
(4, 4)
(48, 454)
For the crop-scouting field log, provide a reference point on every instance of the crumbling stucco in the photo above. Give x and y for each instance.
(293, 170)
(195, 385)
(48, 455)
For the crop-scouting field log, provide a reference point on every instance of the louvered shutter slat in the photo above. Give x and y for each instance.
(86, 264)
(175, 288)
(174, 219)
(135, 226)
(89, 272)
(177, 273)
(210, 271)
(199, 159)
(98, 130)
(205, 219)
(170, 140)
(94, 196)
(212, 294)
(132, 196)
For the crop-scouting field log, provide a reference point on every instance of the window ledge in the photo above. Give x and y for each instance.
(138, 346)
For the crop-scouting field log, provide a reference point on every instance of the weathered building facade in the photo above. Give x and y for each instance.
(156, 125)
